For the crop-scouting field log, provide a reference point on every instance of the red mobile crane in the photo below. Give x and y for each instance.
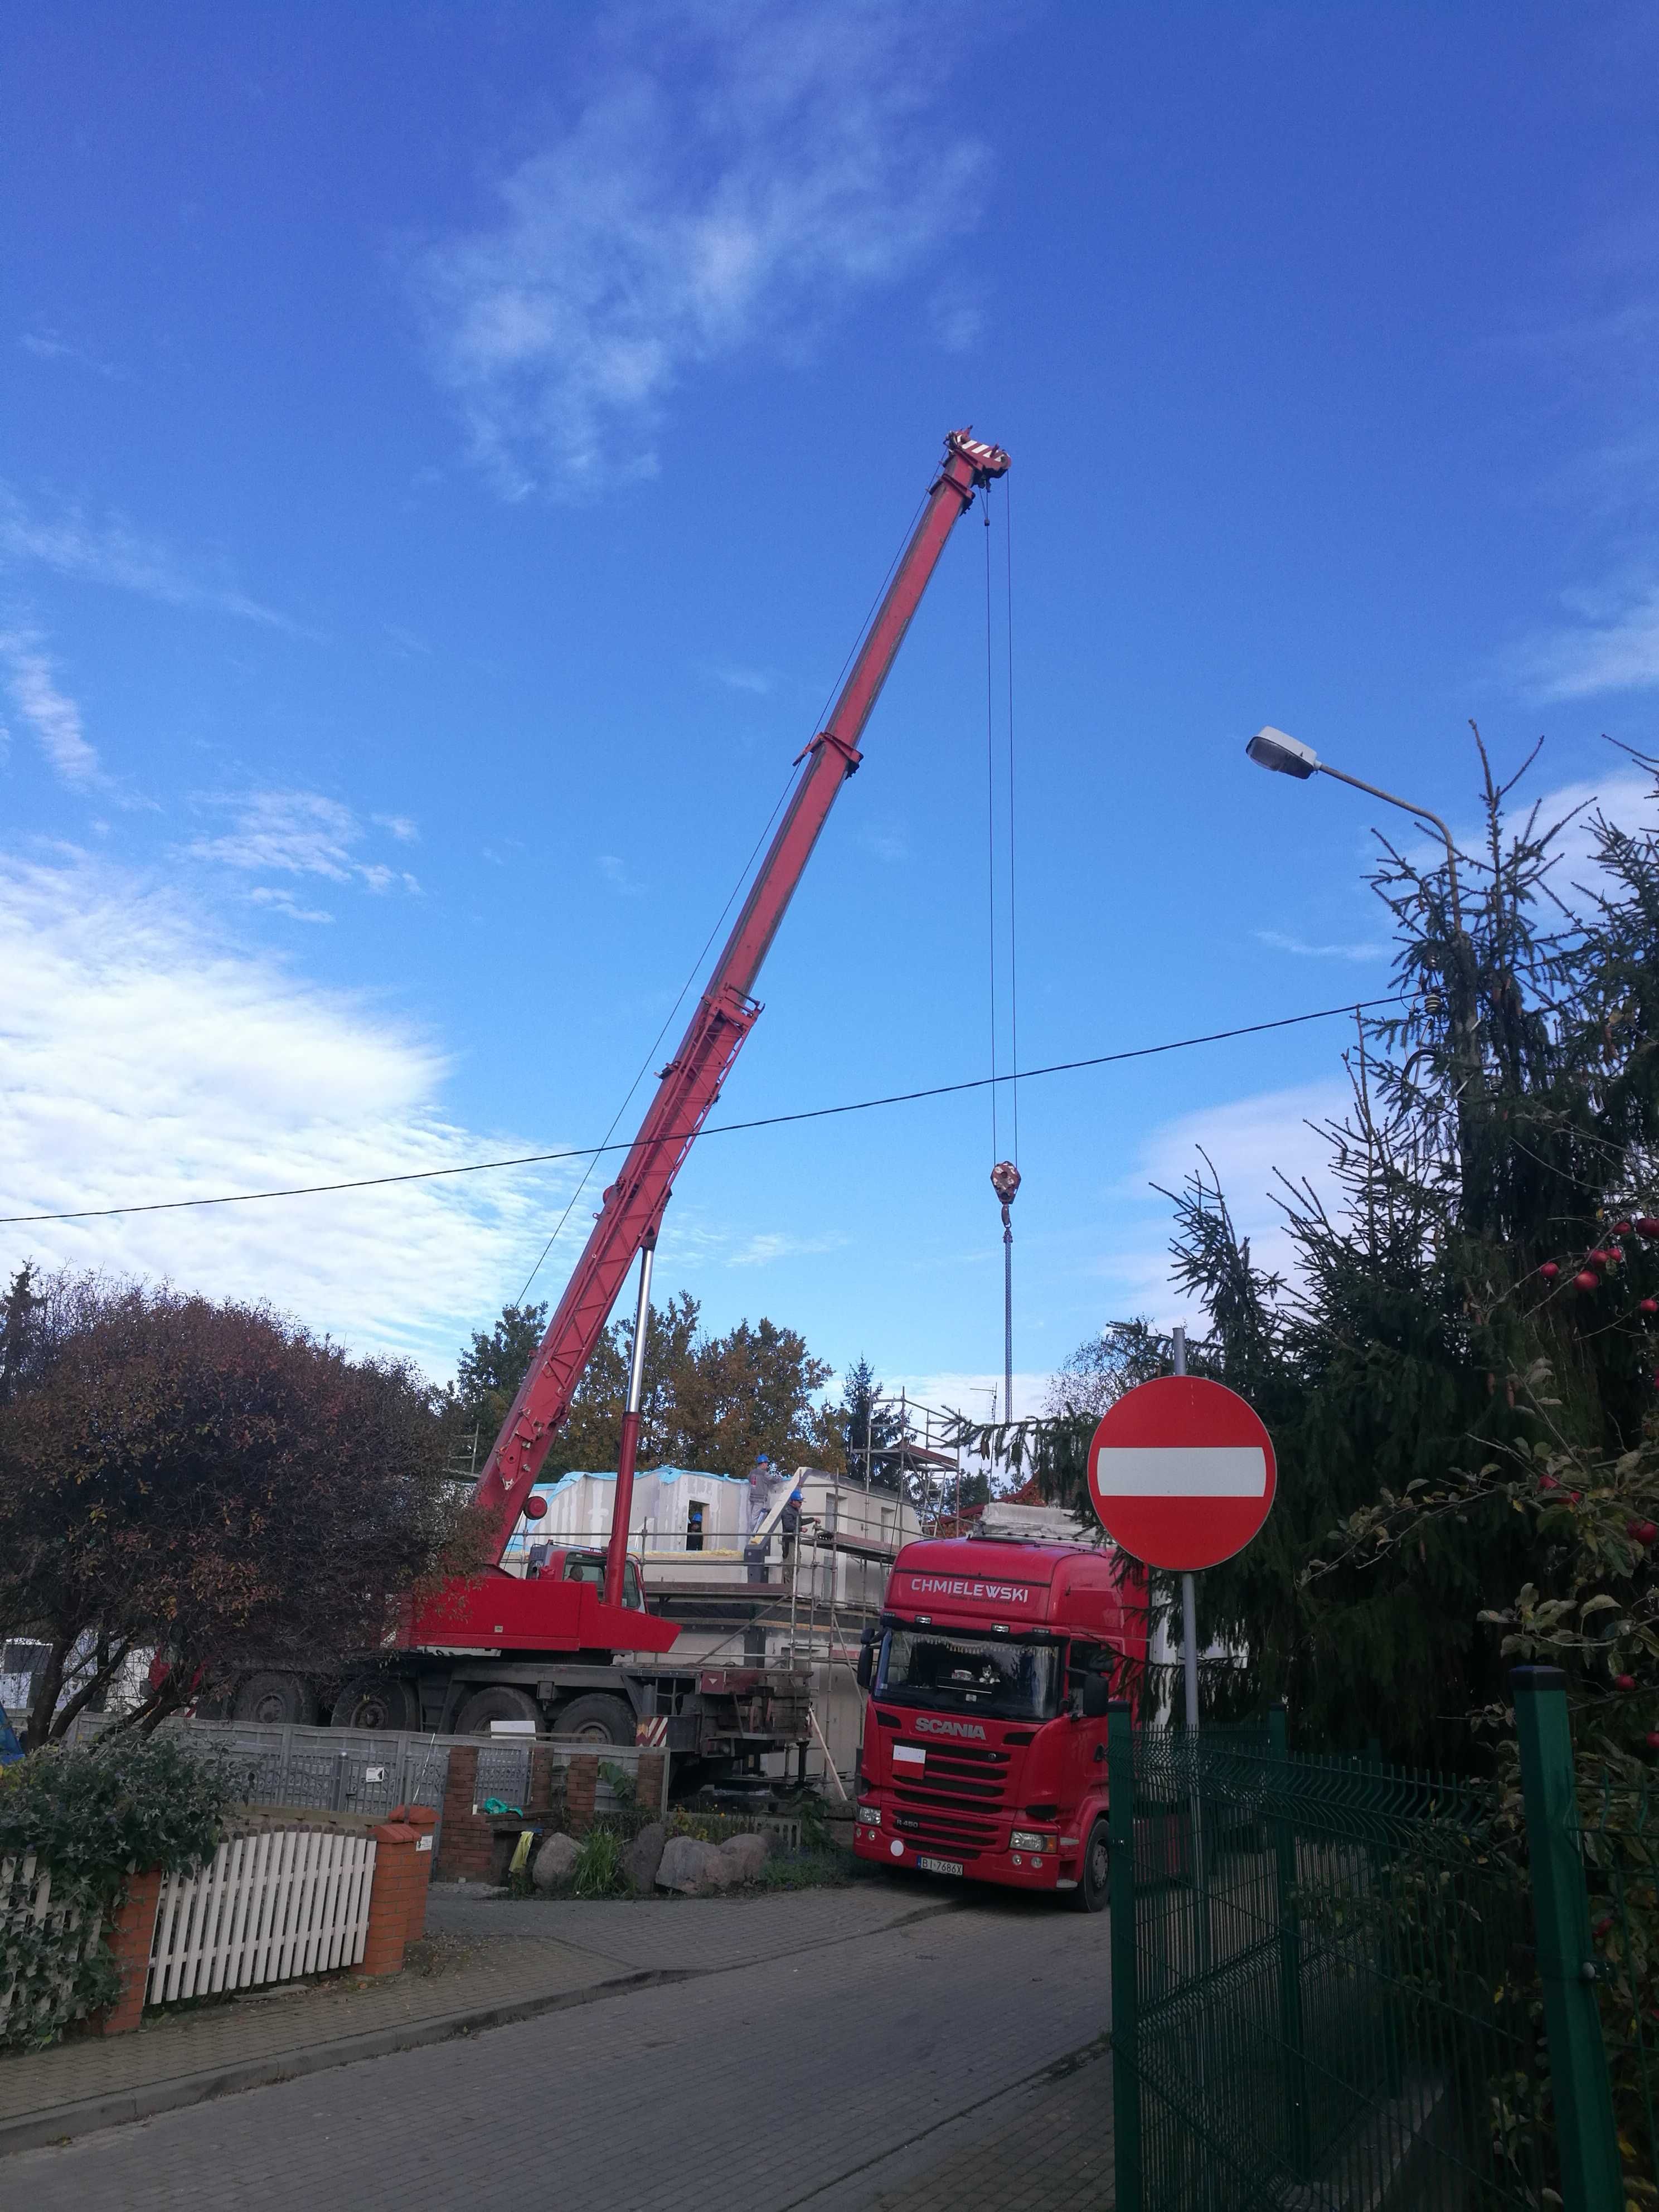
(484, 1648)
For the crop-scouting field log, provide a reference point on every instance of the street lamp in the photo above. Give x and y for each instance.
(1288, 755)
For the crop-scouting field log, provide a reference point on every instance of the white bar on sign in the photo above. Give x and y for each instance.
(1182, 1471)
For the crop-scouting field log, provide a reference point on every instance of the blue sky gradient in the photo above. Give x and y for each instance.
(447, 454)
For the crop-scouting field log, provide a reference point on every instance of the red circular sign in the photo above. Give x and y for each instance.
(1181, 1473)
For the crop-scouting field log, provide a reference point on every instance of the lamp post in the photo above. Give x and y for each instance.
(1287, 755)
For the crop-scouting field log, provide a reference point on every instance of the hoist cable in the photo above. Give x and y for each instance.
(1014, 908)
(991, 825)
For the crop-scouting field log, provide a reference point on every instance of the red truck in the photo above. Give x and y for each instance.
(984, 1749)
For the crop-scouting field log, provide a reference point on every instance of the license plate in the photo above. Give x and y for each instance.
(938, 1866)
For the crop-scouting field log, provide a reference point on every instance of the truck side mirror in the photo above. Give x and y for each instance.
(867, 1663)
(1095, 1697)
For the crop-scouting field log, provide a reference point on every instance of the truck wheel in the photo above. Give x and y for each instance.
(376, 1702)
(1094, 1875)
(271, 1697)
(596, 1718)
(501, 1702)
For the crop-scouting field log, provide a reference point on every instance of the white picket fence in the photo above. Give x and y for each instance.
(267, 1906)
(26, 1902)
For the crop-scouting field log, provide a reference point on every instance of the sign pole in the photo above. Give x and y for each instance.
(1189, 1585)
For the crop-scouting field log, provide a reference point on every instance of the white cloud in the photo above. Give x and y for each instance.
(298, 833)
(733, 678)
(112, 553)
(1245, 1140)
(759, 1251)
(400, 826)
(284, 902)
(147, 1058)
(958, 324)
(1281, 943)
(956, 1390)
(740, 173)
(1614, 649)
(890, 845)
(54, 718)
(615, 871)
(47, 345)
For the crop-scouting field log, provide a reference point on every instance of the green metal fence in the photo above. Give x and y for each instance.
(1618, 1839)
(1338, 1985)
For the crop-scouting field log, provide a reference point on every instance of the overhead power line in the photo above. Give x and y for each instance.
(714, 1128)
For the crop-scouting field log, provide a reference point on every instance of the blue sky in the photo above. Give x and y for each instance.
(447, 454)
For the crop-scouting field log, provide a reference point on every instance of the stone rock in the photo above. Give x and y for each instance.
(643, 1856)
(555, 1861)
(746, 1855)
(692, 1868)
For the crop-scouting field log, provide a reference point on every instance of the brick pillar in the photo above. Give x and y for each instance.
(423, 1821)
(539, 1799)
(466, 1845)
(398, 1897)
(648, 1783)
(581, 1788)
(130, 1935)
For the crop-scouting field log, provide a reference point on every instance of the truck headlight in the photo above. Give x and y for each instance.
(871, 1815)
(1028, 1839)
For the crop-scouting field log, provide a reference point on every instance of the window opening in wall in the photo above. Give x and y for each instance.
(693, 1526)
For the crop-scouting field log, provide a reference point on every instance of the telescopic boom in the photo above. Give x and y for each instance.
(690, 1083)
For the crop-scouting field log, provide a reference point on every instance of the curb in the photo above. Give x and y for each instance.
(59, 2123)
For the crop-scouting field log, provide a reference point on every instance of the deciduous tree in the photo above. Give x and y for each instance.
(211, 1481)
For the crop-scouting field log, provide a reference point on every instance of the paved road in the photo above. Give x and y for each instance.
(836, 2079)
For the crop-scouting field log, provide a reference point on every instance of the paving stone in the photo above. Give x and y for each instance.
(834, 2075)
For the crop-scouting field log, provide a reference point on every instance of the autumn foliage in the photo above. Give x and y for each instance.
(206, 1480)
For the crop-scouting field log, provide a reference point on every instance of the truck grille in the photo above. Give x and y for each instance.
(961, 1838)
(952, 1788)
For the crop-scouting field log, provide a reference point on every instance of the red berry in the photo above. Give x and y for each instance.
(1622, 1228)
(1549, 1271)
(1623, 1681)
(1646, 1225)
(1641, 1532)
(1585, 1281)
(1602, 1925)
(1648, 1306)
(1575, 1496)
(1549, 1482)
(1653, 1739)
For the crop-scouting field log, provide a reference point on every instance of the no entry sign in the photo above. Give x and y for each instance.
(1181, 1473)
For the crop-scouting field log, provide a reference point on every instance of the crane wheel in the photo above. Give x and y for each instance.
(501, 1702)
(377, 1702)
(274, 1698)
(596, 1718)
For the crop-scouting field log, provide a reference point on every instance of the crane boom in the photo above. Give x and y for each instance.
(688, 1086)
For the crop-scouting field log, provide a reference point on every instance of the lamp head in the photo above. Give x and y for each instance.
(1276, 749)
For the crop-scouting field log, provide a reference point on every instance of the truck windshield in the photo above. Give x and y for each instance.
(972, 1673)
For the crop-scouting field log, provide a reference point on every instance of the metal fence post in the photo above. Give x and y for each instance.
(1125, 2054)
(1290, 1956)
(1582, 2094)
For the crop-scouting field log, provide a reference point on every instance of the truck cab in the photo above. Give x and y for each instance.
(984, 1751)
(547, 1563)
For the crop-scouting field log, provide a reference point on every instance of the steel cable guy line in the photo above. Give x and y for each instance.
(656, 1043)
(715, 1128)
(558, 1227)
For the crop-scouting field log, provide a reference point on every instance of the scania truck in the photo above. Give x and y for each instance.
(984, 1752)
